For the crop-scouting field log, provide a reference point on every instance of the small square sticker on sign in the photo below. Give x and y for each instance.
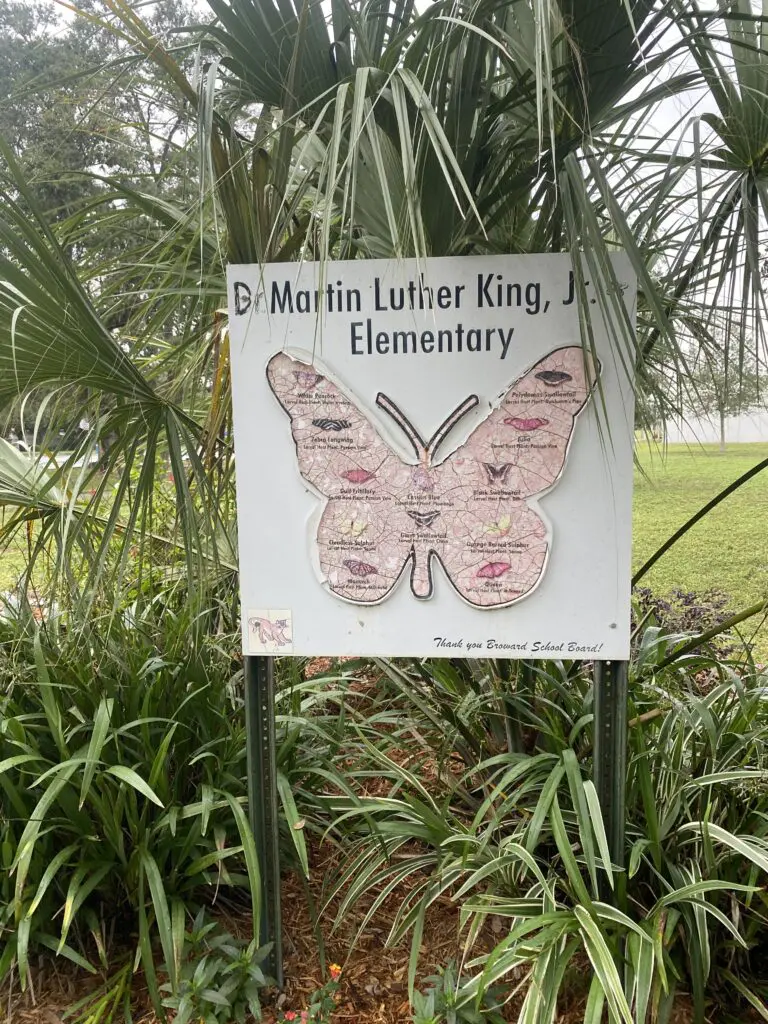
(270, 631)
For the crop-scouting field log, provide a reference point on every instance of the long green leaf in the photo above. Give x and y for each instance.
(133, 779)
(96, 745)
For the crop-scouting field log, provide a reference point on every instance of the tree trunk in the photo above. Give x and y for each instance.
(722, 430)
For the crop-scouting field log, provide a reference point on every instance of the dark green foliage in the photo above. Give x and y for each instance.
(219, 979)
(440, 1002)
(74, 102)
(121, 768)
(55, 130)
(517, 832)
(123, 793)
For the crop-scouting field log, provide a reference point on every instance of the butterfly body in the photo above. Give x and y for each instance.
(468, 512)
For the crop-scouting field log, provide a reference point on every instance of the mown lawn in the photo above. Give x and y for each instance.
(728, 549)
(13, 558)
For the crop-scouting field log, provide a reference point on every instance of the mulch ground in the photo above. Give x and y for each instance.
(374, 980)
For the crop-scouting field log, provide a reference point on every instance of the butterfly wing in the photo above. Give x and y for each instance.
(469, 511)
(497, 547)
(363, 535)
(521, 446)
(350, 454)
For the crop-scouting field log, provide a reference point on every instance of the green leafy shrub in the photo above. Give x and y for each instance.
(219, 977)
(441, 1002)
(517, 831)
(122, 771)
(123, 782)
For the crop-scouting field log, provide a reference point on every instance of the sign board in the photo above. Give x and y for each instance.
(428, 461)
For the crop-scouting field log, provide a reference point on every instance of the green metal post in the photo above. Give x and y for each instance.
(262, 799)
(610, 761)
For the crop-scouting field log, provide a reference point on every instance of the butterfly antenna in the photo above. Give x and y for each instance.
(447, 425)
(417, 441)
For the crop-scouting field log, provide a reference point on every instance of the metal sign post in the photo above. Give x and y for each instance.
(610, 760)
(610, 771)
(259, 674)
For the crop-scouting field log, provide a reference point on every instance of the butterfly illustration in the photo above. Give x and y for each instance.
(554, 378)
(525, 423)
(354, 527)
(307, 378)
(326, 424)
(499, 528)
(424, 519)
(469, 511)
(493, 569)
(497, 474)
(358, 568)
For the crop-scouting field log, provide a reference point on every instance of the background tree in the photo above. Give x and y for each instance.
(722, 378)
(74, 100)
(77, 108)
(49, 112)
(719, 389)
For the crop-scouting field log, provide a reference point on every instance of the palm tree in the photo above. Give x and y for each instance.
(354, 130)
(378, 130)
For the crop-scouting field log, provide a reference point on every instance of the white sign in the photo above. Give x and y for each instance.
(428, 463)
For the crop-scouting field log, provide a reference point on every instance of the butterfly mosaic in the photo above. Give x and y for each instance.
(467, 512)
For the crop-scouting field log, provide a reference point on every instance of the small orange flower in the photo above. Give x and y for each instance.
(290, 1015)
(335, 972)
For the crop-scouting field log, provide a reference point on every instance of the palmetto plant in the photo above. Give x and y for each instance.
(378, 128)
(374, 130)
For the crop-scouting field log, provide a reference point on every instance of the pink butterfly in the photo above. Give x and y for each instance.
(360, 568)
(424, 510)
(525, 424)
(358, 476)
(493, 569)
